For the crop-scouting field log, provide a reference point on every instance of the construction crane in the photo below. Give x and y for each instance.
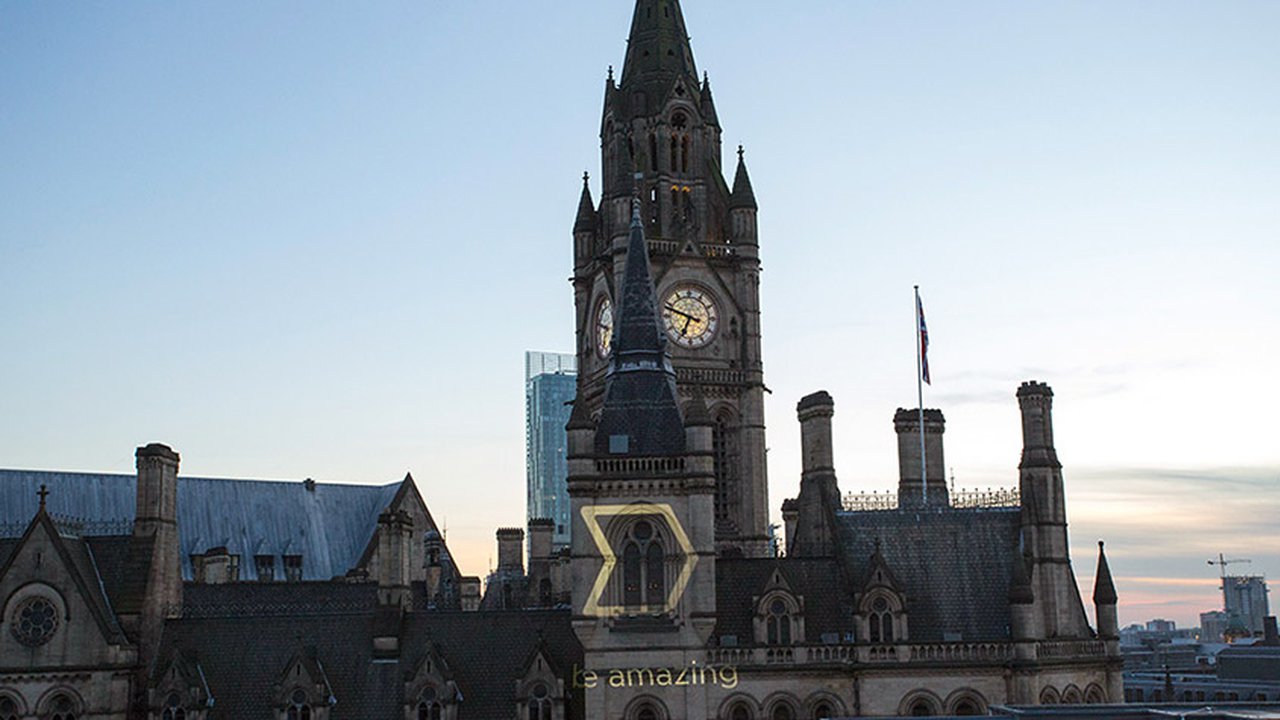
(1222, 563)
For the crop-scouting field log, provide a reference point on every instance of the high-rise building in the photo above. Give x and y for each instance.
(550, 381)
(1245, 597)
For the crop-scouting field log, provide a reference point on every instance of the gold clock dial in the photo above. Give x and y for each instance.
(604, 327)
(691, 316)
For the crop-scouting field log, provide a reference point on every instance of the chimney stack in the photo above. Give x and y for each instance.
(511, 549)
(395, 539)
(819, 497)
(910, 492)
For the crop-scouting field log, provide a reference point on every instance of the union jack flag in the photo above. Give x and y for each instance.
(924, 342)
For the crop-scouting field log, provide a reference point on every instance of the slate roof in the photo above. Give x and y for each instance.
(242, 656)
(640, 388)
(953, 564)
(658, 52)
(828, 604)
(330, 525)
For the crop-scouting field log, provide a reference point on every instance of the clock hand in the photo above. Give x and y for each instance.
(685, 315)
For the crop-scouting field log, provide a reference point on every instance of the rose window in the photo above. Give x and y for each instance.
(34, 622)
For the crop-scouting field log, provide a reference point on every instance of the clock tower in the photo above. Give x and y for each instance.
(660, 143)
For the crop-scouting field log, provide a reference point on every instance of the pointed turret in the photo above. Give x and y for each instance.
(742, 196)
(1104, 590)
(708, 105)
(658, 53)
(640, 415)
(586, 220)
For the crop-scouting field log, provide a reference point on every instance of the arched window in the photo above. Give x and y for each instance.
(782, 711)
(921, 708)
(173, 708)
(539, 703)
(740, 712)
(643, 567)
(61, 708)
(880, 622)
(653, 152)
(8, 708)
(429, 707)
(646, 712)
(823, 711)
(299, 708)
(778, 623)
(966, 707)
(1048, 696)
(685, 147)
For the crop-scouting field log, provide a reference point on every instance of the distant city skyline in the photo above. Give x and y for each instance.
(309, 243)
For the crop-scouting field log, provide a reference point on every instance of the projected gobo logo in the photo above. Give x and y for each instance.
(647, 595)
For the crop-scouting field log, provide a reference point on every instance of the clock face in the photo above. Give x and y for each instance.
(604, 327)
(690, 315)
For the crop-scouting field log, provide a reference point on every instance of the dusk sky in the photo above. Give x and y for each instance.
(315, 240)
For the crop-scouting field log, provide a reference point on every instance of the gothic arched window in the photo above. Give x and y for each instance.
(173, 708)
(778, 623)
(740, 712)
(429, 707)
(298, 708)
(880, 622)
(539, 703)
(646, 712)
(823, 711)
(8, 708)
(643, 573)
(62, 708)
(782, 711)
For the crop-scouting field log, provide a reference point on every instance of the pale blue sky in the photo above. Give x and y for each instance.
(315, 239)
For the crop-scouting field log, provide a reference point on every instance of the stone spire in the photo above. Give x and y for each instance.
(708, 104)
(640, 415)
(586, 220)
(742, 196)
(1104, 590)
(658, 51)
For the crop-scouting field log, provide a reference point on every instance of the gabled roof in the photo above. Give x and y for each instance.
(81, 567)
(330, 525)
(828, 608)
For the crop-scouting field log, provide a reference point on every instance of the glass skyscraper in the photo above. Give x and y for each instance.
(550, 383)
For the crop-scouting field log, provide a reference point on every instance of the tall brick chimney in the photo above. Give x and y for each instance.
(819, 493)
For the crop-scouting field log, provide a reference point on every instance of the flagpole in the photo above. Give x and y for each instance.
(924, 484)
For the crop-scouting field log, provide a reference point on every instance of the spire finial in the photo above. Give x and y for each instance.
(740, 151)
(610, 73)
(43, 492)
(585, 177)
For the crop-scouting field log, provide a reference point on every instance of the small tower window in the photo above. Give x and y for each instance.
(685, 146)
(643, 568)
(653, 152)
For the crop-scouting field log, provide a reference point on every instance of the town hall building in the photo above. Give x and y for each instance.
(160, 596)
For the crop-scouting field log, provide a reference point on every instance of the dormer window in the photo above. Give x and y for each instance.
(293, 568)
(880, 622)
(539, 703)
(779, 616)
(298, 708)
(883, 618)
(778, 623)
(429, 706)
(173, 708)
(265, 566)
